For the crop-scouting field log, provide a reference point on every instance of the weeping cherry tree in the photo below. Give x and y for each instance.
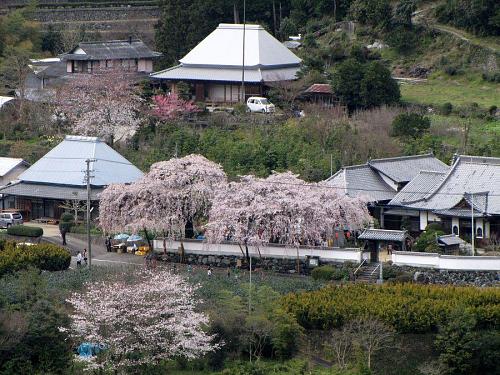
(174, 194)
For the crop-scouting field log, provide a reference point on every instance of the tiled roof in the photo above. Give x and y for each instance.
(292, 44)
(450, 239)
(418, 188)
(26, 189)
(361, 180)
(469, 174)
(319, 88)
(383, 235)
(65, 164)
(109, 50)
(199, 73)
(405, 168)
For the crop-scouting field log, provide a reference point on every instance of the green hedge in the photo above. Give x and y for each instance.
(43, 256)
(330, 273)
(407, 307)
(22, 230)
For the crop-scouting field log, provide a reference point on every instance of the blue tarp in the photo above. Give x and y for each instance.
(87, 349)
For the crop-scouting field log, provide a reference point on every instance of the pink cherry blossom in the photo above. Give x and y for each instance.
(171, 107)
(153, 314)
(102, 104)
(172, 194)
(282, 209)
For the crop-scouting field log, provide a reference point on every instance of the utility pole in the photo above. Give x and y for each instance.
(473, 232)
(250, 303)
(243, 56)
(88, 176)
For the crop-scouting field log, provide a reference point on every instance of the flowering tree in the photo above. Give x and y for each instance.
(173, 194)
(281, 208)
(147, 320)
(171, 107)
(101, 104)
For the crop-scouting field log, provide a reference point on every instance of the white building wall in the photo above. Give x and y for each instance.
(446, 262)
(200, 247)
(423, 220)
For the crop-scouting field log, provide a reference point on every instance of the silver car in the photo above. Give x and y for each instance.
(8, 219)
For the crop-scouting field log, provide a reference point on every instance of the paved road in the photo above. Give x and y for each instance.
(99, 254)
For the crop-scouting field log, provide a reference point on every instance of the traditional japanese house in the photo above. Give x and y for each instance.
(216, 67)
(59, 176)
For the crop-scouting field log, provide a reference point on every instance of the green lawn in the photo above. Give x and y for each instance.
(458, 91)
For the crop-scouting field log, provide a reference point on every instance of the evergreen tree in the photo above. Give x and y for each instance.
(377, 86)
(172, 29)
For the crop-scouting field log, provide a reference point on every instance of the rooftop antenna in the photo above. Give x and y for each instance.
(243, 60)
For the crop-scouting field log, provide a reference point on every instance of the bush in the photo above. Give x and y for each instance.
(411, 125)
(323, 273)
(406, 307)
(446, 109)
(46, 257)
(22, 230)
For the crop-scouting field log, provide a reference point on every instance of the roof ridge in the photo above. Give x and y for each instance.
(402, 157)
(112, 41)
(429, 171)
(485, 159)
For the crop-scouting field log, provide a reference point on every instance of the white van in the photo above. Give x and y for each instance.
(8, 219)
(259, 104)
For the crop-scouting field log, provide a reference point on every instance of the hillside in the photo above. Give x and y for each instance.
(105, 19)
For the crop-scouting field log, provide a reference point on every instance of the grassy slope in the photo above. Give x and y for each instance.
(461, 90)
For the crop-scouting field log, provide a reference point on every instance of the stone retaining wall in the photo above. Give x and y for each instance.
(288, 266)
(461, 278)
(96, 14)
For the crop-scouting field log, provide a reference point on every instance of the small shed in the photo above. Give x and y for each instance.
(320, 93)
(382, 242)
(450, 243)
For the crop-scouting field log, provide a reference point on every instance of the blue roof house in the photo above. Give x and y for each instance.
(59, 176)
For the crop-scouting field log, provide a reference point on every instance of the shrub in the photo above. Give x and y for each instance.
(46, 257)
(446, 109)
(406, 307)
(22, 230)
(410, 125)
(323, 273)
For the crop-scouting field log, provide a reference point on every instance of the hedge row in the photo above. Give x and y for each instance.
(407, 307)
(43, 256)
(22, 230)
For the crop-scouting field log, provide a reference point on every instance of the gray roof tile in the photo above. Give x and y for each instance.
(405, 168)
(383, 235)
(361, 180)
(26, 189)
(469, 174)
(114, 49)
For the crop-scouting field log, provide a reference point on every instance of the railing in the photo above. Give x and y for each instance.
(375, 269)
(359, 267)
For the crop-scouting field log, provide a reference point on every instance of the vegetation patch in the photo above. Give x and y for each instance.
(409, 308)
(47, 257)
(25, 231)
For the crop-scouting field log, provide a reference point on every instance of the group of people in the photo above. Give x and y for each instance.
(81, 257)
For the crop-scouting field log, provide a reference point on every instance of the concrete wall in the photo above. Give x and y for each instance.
(270, 251)
(446, 262)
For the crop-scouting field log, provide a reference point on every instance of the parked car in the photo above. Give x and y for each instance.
(8, 219)
(259, 104)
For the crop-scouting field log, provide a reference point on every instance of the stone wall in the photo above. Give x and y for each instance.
(96, 14)
(279, 265)
(443, 277)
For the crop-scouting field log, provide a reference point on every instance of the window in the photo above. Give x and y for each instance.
(455, 230)
(479, 232)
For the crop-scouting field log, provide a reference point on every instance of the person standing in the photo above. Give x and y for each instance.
(209, 272)
(79, 259)
(107, 242)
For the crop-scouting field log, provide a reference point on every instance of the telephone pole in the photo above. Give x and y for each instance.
(243, 56)
(88, 176)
